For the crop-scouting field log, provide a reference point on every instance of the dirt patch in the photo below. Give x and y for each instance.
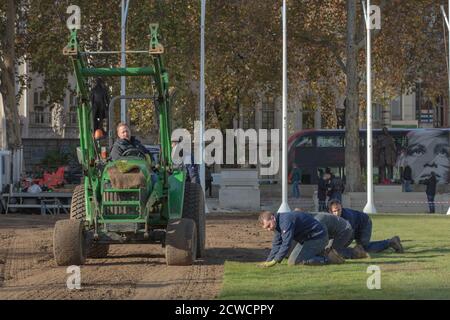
(28, 271)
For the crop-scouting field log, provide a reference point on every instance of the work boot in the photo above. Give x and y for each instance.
(334, 257)
(396, 244)
(359, 252)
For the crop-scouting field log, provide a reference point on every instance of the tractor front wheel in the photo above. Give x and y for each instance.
(181, 242)
(69, 246)
(78, 212)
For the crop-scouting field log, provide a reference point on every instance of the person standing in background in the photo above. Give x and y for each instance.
(296, 180)
(322, 191)
(407, 179)
(431, 190)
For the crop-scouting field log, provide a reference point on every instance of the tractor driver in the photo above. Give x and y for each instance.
(126, 142)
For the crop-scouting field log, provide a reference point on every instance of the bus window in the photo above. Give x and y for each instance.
(329, 142)
(305, 142)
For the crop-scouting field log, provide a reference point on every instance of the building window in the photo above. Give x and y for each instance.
(396, 108)
(73, 100)
(376, 111)
(268, 113)
(37, 98)
(39, 115)
(73, 115)
(248, 121)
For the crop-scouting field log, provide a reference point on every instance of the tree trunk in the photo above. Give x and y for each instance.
(8, 84)
(352, 158)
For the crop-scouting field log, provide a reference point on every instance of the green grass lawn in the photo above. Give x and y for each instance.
(422, 272)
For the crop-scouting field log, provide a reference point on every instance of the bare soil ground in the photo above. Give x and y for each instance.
(138, 271)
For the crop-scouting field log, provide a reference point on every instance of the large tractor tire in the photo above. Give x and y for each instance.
(78, 212)
(181, 242)
(194, 208)
(69, 246)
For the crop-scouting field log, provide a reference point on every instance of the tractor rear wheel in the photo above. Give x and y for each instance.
(78, 212)
(181, 242)
(194, 208)
(69, 246)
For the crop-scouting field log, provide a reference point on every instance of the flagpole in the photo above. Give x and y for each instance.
(370, 206)
(284, 202)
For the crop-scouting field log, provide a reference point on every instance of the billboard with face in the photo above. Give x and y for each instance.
(426, 151)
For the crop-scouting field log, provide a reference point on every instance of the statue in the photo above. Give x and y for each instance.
(58, 119)
(100, 103)
(386, 155)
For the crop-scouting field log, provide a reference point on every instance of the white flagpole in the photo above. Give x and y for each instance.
(202, 98)
(284, 204)
(123, 63)
(370, 206)
(448, 68)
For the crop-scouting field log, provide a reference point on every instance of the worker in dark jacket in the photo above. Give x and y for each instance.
(310, 236)
(126, 142)
(339, 230)
(431, 190)
(362, 230)
(340, 233)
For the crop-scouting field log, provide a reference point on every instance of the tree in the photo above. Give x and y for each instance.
(7, 73)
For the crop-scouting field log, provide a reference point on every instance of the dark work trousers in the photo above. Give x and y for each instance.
(323, 205)
(208, 186)
(343, 239)
(364, 239)
(309, 252)
(336, 195)
(430, 198)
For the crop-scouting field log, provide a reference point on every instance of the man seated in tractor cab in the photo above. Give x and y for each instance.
(127, 145)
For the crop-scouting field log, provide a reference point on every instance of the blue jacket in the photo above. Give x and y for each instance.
(358, 220)
(296, 226)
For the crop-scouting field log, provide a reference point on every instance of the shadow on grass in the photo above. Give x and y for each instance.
(373, 261)
(431, 250)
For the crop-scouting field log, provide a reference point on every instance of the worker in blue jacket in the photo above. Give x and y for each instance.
(308, 234)
(362, 230)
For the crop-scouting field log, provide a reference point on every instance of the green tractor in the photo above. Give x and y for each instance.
(129, 200)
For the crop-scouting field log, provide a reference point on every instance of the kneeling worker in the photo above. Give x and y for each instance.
(340, 233)
(308, 233)
(362, 230)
